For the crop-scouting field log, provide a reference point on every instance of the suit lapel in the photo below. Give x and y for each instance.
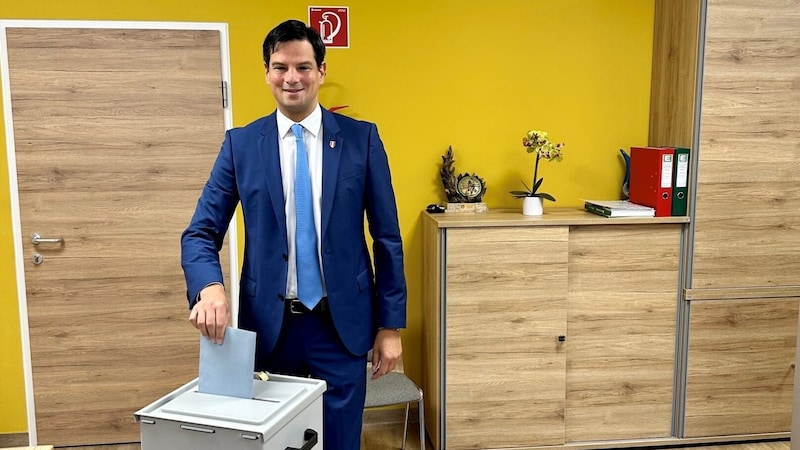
(331, 155)
(271, 161)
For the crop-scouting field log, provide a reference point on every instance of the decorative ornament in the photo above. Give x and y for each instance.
(470, 187)
(464, 188)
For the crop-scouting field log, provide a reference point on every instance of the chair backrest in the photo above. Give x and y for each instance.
(395, 388)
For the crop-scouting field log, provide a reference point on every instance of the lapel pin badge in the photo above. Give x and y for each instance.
(332, 144)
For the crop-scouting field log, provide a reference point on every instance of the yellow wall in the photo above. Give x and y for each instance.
(472, 74)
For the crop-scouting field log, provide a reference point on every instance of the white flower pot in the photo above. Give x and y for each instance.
(532, 206)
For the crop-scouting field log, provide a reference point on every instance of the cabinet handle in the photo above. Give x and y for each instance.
(562, 338)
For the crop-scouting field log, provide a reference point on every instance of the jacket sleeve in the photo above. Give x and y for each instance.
(381, 210)
(203, 238)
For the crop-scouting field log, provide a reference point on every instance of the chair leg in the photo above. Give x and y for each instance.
(405, 427)
(421, 406)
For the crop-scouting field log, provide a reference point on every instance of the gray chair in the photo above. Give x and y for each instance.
(395, 388)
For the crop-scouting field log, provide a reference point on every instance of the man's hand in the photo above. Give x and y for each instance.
(212, 313)
(386, 352)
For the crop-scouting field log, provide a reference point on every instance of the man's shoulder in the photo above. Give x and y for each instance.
(256, 126)
(342, 119)
(347, 123)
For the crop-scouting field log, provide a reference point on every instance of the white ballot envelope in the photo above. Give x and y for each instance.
(227, 368)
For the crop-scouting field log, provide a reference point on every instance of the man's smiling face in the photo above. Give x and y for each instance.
(294, 78)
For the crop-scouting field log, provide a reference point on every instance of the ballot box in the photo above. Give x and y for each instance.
(284, 413)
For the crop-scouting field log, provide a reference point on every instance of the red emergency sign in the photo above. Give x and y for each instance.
(332, 23)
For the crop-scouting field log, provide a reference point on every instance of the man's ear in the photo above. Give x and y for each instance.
(323, 69)
(266, 72)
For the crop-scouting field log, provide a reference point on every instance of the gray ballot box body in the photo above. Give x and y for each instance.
(284, 413)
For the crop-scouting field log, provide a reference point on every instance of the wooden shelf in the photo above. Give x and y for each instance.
(551, 217)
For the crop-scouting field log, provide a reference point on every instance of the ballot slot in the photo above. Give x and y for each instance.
(270, 397)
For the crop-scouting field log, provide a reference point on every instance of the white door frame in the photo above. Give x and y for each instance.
(233, 244)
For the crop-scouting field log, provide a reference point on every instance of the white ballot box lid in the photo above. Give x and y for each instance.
(275, 402)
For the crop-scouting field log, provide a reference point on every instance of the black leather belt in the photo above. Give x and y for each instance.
(294, 306)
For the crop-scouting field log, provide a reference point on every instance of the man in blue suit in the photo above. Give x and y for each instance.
(358, 306)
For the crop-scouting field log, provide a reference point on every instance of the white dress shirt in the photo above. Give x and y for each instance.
(312, 136)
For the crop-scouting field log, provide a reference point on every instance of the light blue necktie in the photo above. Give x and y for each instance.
(309, 280)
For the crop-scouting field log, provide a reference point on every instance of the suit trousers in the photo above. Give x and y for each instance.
(309, 346)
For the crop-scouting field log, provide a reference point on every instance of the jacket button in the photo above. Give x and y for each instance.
(280, 297)
(285, 257)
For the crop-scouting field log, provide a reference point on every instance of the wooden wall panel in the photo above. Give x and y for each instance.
(674, 75)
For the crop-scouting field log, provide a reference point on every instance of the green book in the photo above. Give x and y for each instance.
(618, 208)
(680, 181)
(599, 210)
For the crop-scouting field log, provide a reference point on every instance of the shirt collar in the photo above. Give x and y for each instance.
(312, 123)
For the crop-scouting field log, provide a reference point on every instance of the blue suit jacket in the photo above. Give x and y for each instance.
(355, 181)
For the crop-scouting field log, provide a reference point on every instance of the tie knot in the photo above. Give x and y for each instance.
(297, 129)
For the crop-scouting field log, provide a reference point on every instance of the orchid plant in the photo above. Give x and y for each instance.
(538, 142)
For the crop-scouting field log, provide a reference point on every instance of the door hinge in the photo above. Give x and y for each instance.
(224, 87)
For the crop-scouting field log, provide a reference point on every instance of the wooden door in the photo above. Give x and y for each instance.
(741, 365)
(115, 131)
(506, 308)
(749, 148)
(621, 308)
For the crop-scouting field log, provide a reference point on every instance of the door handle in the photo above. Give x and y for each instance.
(36, 240)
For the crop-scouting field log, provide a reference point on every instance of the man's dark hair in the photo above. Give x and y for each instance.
(294, 30)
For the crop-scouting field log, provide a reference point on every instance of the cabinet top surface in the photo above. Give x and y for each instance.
(551, 217)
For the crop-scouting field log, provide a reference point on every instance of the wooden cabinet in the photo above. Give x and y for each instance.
(707, 310)
(548, 330)
(741, 284)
